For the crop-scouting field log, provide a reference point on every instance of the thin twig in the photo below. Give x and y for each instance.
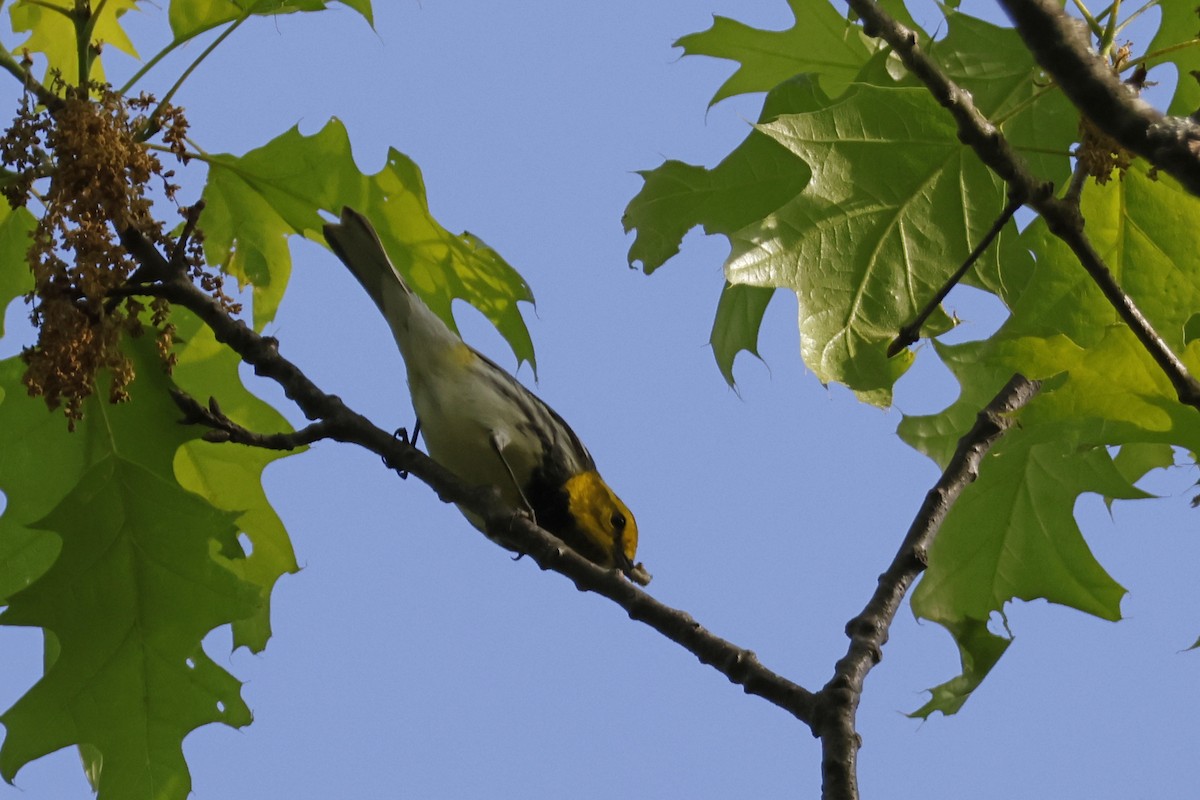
(223, 429)
(178, 258)
(911, 332)
(837, 702)
(196, 63)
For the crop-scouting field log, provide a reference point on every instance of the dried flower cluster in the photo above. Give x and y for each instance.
(92, 148)
(1099, 154)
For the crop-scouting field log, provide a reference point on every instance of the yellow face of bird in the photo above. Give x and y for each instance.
(603, 518)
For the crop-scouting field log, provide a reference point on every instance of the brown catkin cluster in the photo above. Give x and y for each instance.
(1099, 154)
(92, 149)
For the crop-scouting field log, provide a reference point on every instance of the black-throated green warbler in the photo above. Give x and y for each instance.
(485, 426)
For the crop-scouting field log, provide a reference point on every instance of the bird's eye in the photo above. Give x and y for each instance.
(617, 520)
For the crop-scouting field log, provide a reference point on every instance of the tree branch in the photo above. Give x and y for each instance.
(1063, 48)
(223, 429)
(1062, 217)
(510, 528)
(837, 702)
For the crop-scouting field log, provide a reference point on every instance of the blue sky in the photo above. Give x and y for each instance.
(412, 658)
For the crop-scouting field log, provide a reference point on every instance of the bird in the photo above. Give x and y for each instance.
(483, 424)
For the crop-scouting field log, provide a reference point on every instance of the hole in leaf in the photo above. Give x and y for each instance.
(191, 663)
(221, 706)
(998, 625)
(246, 543)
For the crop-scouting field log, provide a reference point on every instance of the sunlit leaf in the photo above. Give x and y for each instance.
(821, 40)
(230, 476)
(1009, 88)
(894, 205)
(52, 33)
(1180, 23)
(190, 18)
(256, 201)
(15, 277)
(739, 316)
(752, 181)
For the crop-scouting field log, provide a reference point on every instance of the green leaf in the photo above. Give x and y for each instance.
(136, 588)
(52, 32)
(190, 18)
(230, 476)
(979, 649)
(894, 205)
(739, 316)
(821, 40)
(1180, 23)
(1013, 534)
(755, 179)
(138, 583)
(870, 214)
(1137, 459)
(1008, 87)
(752, 181)
(1191, 329)
(31, 435)
(1148, 231)
(254, 202)
(25, 554)
(26, 438)
(15, 277)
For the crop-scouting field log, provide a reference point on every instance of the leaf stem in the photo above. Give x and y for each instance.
(1133, 62)
(149, 65)
(198, 155)
(1148, 5)
(1021, 106)
(84, 21)
(1075, 185)
(1110, 30)
(1088, 18)
(196, 63)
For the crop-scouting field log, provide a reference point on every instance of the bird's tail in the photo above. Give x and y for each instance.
(416, 328)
